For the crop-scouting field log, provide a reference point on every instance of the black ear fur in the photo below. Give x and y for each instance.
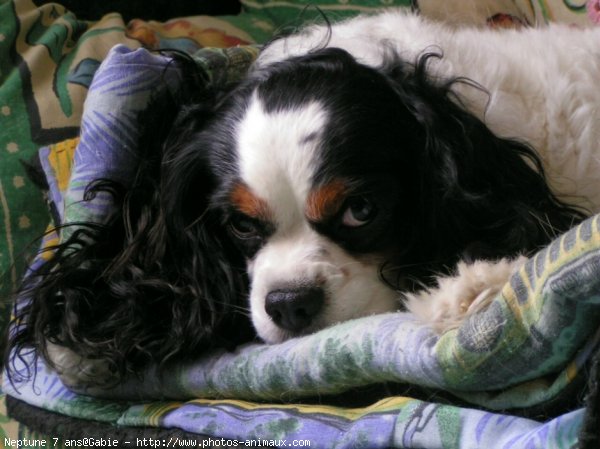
(474, 194)
(155, 282)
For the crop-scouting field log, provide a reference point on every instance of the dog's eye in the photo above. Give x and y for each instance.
(359, 211)
(243, 227)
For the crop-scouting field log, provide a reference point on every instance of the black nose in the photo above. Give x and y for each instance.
(294, 308)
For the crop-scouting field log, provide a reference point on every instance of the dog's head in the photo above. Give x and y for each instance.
(309, 191)
(341, 183)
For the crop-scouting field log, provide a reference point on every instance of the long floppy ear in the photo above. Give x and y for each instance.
(157, 280)
(475, 194)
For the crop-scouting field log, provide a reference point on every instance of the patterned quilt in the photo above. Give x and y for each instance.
(473, 386)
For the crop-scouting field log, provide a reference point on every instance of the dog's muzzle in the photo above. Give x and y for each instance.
(294, 308)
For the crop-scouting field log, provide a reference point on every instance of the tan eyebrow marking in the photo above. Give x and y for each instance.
(248, 203)
(326, 200)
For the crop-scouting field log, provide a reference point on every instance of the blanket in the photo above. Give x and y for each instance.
(513, 377)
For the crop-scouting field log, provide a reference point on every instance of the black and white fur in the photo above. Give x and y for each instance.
(353, 165)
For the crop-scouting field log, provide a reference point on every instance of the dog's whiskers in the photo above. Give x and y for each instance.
(546, 225)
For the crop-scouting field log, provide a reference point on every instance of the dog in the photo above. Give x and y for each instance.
(359, 163)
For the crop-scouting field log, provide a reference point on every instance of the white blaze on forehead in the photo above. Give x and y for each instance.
(277, 153)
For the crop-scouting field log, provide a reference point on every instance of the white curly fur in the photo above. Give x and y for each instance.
(468, 291)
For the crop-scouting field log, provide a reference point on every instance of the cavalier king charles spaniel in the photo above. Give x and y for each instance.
(353, 166)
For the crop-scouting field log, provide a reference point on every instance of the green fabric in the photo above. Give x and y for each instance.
(23, 214)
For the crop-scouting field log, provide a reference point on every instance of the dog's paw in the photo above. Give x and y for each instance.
(468, 291)
(76, 372)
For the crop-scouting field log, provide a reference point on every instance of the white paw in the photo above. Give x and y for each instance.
(457, 296)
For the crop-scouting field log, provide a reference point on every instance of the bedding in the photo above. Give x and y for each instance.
(514, 377)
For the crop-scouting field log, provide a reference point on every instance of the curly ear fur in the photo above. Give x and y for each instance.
(475, 195)
(152, 283)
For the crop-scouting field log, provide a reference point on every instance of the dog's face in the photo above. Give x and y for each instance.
(310, 196)
(342, 184)
(310, 237)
